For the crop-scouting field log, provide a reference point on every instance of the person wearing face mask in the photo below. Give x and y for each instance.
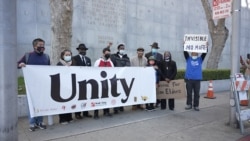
(159, 58)
(169, 71)
(152, 63)
(82, 60)
(193, 76)
(104, 61)
(37, 57)
(65, 60)
(120, 59)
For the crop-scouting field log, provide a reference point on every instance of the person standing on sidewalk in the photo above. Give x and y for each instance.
(104, 62)
(37, 57)
(82, 60)
(193, 76)
(169, 71)
(138, 61)
(152, 63)
(65, 60)
(159, 58)
(120, 59)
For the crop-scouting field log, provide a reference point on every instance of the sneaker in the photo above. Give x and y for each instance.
(32, 128)
(107, 114)
(196, 109)
(65, 122)
(41, 126)
(188, 107)
(149, 109)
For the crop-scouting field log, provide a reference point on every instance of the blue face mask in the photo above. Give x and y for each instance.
(154, 50)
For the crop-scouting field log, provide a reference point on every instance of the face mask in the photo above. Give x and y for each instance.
(167, 59)
(39, 50)
(107, 56)
(122, 51)
(83, 53)
(194, 57)
(154, 50)
(67, 58)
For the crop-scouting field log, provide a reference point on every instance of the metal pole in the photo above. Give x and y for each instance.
(235, 47)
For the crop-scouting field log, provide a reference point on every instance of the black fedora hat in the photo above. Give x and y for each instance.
(82, 46)
(155, 45)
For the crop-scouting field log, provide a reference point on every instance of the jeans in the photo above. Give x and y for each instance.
(193, 86)
(35, 120)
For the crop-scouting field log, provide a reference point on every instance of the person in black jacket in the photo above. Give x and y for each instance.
(120, 59)
(169, 71)
(82, 60)
(65, 60)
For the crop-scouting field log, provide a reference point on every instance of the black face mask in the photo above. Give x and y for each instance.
(107, 56)
(83, 53)
(40, 50)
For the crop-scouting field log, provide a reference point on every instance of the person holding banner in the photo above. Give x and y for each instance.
(138, 61)
(37, 57)
(104, 61)
(193, 76)
(169, 71)
(152, 63)
(65, 60)
(120, 59)
(82, 60)
(159, 58)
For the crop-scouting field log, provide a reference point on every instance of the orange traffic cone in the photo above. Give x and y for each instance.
(244, 103)
(210, 92)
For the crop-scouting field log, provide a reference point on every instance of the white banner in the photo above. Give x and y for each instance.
(59, 89)
(195, 43)
(222, 8)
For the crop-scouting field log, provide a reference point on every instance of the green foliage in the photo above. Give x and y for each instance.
(209, 74)
(21, 86)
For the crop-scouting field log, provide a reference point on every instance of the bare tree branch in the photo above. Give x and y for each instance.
(208, 12)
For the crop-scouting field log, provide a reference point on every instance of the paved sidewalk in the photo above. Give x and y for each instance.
(209, 124)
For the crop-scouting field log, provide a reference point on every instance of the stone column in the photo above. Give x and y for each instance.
(8, 71)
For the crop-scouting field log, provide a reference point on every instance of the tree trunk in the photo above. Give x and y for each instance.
(218, 34)
(61, 27)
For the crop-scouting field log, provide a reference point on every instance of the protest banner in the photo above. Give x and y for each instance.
(173, 89)
(195, 43)
(58, 89)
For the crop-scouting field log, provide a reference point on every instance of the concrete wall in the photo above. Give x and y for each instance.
(218, 86)
(137, 23)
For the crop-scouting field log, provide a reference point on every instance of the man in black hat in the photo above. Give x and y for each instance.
(82, 60)
(157, 56)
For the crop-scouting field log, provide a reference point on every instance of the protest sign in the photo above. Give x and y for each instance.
(173, 89)
(195, 43)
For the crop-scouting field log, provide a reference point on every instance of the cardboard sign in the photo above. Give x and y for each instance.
(195, 43)
(173, 89)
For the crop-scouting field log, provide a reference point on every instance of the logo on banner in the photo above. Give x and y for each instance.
(144, 98)
(83, 105)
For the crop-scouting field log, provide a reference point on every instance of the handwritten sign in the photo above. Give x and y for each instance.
(222, 8)
(173, 89)
(195, 43)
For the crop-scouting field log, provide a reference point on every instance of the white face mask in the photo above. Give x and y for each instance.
(67, 58)
(194, 57)
(122, 51)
